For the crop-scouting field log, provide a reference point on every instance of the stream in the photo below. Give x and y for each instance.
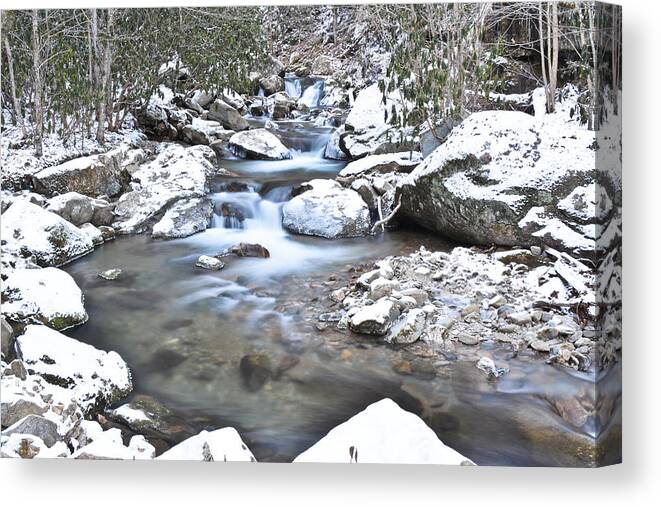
(184, 331)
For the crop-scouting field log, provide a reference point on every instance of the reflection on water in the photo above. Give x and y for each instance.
(184, 332)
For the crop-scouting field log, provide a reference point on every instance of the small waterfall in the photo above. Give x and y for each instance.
(313, 94)
(293, 87)
(245, 210)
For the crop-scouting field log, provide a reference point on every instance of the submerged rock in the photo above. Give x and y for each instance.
(47, 296)
(382, 433)
(247, 250)
(327, 210)
(255, 371)
(259, 144)
(110, 274)
(208, 262)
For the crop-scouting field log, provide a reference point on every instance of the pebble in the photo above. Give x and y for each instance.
(520, 318)
(547, 333)
(540, 346)
(581, 342)
(497, 301)
(536, 250)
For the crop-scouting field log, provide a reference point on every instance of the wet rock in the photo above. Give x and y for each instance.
(108, 233)
(487, 365)
(184, 218)
(408, 328)
(48, 296)
(338, 295)
(327, 210)
(376, 319)
(110, 274)
(333, 150)
(255, 371)
(540, 346)
(227, 116)
(210, 263)
(259, 144)
(247, 250)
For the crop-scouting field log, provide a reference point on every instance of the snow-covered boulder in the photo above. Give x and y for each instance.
(204, 132)
(403, 162)
(327, 210)
(184, 218)
(382, 433)
(79, 209)
(375, 319)
(93, 377)
(501, 177)
(227, 116)
(29, 230)
(95, 175)
(367, 130)
(259, 144)
(108, 445)
(48, 296)
(224, 444)
(177, 173)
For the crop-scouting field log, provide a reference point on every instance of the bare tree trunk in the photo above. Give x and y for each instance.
(553, 78)
(334, 7)
(542, 53)
(37, 107)
(104, 79)
(12, 85)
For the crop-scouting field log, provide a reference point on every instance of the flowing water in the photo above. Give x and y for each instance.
(184, 331)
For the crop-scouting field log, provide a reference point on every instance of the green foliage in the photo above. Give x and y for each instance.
(218, 46)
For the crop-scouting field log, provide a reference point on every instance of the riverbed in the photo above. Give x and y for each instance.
(184, 332)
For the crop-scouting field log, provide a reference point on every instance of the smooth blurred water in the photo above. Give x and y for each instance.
(184, 331)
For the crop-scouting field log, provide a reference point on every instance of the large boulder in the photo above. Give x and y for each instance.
(80, 209)
(227, 116)
(38, 426)
(259, 144)
(327, 210)
(95, 175)
(177, 173)
(184, 218)
(204, 132)
(500, 178)
(367, 127)
(224, 444)
(382, 433)
(48, 239)
(47, 296)
(272, 84)
(94, 378)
